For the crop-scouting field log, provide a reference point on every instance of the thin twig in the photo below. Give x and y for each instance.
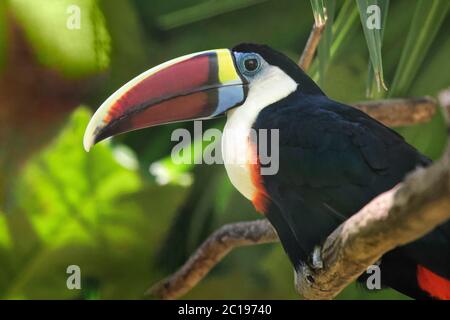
(311, 46)
(212, 252)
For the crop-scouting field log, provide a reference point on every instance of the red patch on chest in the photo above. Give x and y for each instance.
(261, 199)
(435, 285)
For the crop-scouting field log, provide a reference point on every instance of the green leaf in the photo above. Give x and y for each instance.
(202, 11)
(371, 79)
(69, 191)
(66, 197)
(324, 47)
(346, 19)
(373, 16)
(319, 12)
(5, 239)
(425, 24)
(57, 40)
(341, 29)
(166, 171)
(88, 209)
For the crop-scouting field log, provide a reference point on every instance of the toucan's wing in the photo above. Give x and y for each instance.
(333, 159)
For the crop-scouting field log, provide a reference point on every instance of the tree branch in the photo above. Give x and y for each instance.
(210, 253)
(399, 112)
(311, 46)
(398, 216)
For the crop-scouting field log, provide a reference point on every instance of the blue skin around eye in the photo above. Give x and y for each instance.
(241, 64)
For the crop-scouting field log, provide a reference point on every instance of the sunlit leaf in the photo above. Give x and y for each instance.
(167, 170)
(59, 41)
(89, 210)
(69, 191)
(5, 240)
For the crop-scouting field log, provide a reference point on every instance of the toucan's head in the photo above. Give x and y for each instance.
(197, 86)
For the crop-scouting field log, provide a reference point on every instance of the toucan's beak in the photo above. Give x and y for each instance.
(197, 86)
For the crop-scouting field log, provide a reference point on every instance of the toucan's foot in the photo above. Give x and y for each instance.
(317, 262)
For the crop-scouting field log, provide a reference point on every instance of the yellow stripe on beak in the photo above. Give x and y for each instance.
(227, 70)
(201, 85)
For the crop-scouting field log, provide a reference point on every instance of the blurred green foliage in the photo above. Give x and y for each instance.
(56, 43)
(83, 209)
(127, 227)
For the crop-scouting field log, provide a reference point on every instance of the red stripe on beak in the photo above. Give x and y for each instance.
(187, 88)
(166, 111)
(185, 77)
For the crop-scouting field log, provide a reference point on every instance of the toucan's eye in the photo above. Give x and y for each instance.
(249, 64)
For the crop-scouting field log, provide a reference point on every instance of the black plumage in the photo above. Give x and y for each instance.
(333, 160)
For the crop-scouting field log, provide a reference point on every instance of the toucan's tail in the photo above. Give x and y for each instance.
(436, 286)
(421, 269)
(413, 280)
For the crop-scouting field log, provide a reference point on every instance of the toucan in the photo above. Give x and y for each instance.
(333, 159)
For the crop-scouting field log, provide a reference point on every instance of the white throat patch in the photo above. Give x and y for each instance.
(267, 87)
